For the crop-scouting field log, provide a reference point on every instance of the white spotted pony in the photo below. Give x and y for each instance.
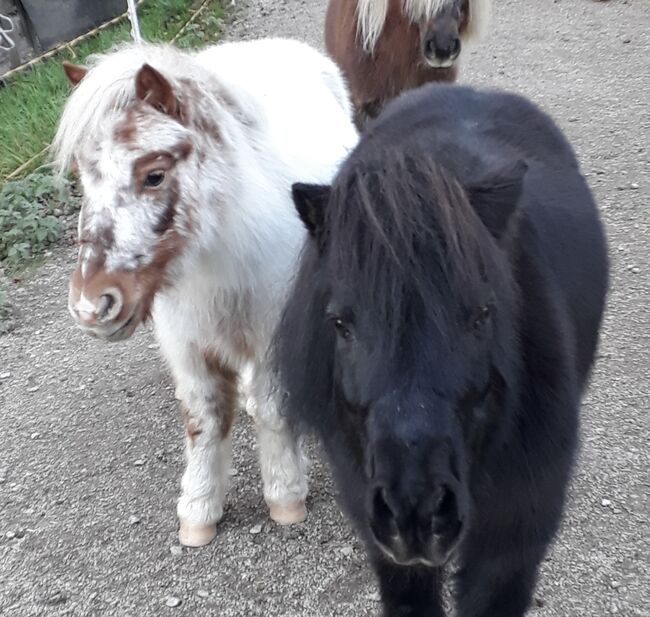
(187, 162)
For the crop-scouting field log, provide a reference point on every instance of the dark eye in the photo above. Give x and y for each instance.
(342, 330)
(154, 179)
(481, 317)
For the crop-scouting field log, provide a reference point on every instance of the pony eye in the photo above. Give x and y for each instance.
(342, 330)
(154, 179)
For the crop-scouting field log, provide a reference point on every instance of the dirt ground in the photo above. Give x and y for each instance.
(90, 441)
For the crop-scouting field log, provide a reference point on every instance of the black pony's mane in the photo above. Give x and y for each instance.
(399, 231)
(399, 228)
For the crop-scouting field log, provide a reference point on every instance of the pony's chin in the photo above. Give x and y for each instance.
(435, 557)
(438, 64)
(118, 333)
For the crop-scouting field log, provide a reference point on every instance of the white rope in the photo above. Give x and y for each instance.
(133, 18)
(6, 26)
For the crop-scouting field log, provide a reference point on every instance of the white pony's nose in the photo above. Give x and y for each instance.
(101, 309)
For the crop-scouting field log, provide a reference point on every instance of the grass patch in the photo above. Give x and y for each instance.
(31, 216)
(31, 101)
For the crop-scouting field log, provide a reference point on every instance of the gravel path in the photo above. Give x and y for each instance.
(90, 441)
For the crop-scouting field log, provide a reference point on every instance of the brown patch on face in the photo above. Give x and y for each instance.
(126, 131)
(148, 163)
(153, 277)
(227, 386)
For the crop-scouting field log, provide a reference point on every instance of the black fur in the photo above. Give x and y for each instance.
(439, 338)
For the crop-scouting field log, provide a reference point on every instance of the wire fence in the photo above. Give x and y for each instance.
(130, 13)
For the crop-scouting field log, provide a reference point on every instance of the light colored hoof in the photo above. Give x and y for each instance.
(288, 513)
(193, 534)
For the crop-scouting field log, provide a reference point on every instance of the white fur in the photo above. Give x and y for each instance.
(291, 121)
(371, 17)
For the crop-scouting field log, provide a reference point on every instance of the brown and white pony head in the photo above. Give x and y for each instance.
(138, 128)
(445, 26)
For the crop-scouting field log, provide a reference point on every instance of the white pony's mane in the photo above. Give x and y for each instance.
(109, 87)
(371, 16)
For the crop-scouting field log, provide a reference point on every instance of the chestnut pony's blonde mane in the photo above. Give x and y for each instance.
(371, 17)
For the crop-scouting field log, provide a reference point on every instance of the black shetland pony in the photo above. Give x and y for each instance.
(439, 338)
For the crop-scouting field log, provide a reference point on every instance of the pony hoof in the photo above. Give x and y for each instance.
(288, 513)
(196, 534)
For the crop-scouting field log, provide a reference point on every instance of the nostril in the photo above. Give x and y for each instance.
(109, 305)
(455, 47)
(445, 513)
(106, 302)
(430, 47)
(380, 504)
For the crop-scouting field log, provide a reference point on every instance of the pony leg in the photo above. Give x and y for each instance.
(408, 591)
(488, 587)
(208, 392)
(282, 461)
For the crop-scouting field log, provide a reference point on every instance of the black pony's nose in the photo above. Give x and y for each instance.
(441, 47)
(415, 530)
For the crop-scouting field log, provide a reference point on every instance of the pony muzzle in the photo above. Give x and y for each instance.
(441, 48)
(416, 533)
(101, 308)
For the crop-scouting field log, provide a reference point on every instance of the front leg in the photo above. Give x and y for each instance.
(408, 591)
(208, 390)
(500, 586)
(282, 462)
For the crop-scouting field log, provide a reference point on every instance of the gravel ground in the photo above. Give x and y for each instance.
(90, 442)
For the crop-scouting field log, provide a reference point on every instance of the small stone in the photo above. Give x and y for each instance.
(627, 40)
(202, 593)
(176, 550)
(20, 533)
(615, 584)
(606, 503)
(233, 472)
(138, 463)
(635, 270)
(33, 389)
(153, 346)
(10, 535)
(347, 551)
(255, 529)
(56, 598)
(5, 375)
(172, 601)
(134, 520)
(34, 436)
(634, 186)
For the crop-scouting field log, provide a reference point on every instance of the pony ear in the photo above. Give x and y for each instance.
(495, 197)
(151, 87)
(310, 201)
(74, 72)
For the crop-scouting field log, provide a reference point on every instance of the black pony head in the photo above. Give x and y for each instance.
(396, 334)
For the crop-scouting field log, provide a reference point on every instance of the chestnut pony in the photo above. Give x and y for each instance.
(387, 46)
(186, 162)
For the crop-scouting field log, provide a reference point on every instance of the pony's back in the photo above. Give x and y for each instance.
(472, 132)
(295, 93)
